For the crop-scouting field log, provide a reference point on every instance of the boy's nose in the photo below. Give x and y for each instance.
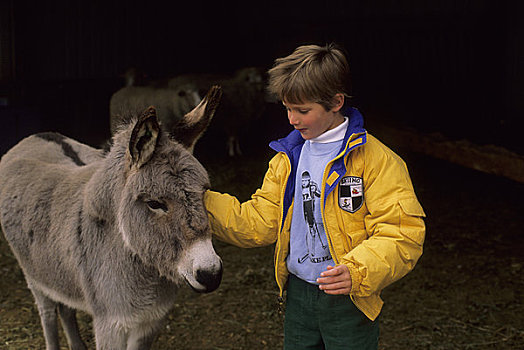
(292, 119)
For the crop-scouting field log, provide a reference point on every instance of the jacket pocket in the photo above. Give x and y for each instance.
(411, 222)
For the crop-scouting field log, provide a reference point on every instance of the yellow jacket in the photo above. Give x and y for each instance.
(380, 242)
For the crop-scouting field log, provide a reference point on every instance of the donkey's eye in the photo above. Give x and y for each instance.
(155, 205)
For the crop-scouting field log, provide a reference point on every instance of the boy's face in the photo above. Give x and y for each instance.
(311, 119)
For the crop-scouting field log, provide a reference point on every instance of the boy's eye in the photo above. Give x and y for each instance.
(303, 111)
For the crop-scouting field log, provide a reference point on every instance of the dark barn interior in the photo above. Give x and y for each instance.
(440, 82)
(450, 66)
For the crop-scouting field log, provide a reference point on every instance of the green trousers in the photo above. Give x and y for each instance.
(316, 320)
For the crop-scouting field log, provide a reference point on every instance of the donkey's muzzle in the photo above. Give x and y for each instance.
(209, 279)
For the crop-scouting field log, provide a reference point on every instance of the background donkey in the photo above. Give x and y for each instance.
(112, 234)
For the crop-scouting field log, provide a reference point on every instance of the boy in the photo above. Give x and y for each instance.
(338, 203)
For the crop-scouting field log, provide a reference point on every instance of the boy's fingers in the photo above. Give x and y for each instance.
(344, 291)
(332, 271)
(334, 286)
(332, 279)
(325, 280)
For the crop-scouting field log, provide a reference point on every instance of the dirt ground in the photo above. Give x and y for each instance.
(465, 293)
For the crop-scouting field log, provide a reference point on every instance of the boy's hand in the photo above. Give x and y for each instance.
(335, 280)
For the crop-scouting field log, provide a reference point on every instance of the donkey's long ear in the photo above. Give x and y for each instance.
(144, 138)
(189, 129)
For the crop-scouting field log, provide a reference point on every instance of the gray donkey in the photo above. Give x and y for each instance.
(112, 234)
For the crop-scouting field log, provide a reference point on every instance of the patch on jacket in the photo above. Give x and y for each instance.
(351, 193)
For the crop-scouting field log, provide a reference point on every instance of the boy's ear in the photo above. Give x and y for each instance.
(338, 102)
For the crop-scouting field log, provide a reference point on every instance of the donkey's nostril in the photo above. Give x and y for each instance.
(210, 279)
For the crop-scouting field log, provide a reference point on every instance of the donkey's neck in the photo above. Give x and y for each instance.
(104, 188)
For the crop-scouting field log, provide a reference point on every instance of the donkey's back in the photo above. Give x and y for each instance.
(54, 148)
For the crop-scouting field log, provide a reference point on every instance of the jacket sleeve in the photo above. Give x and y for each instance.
(254, 222)
(394, 224)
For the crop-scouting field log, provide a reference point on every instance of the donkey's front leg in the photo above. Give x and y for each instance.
(48, 318)
(143, 343)
(142, 337)
(68, 317)
(109, 335)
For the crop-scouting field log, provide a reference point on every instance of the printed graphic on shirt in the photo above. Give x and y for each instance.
(351, 193)
(311, 198)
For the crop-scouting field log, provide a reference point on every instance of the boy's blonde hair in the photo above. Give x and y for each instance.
(311, 73)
